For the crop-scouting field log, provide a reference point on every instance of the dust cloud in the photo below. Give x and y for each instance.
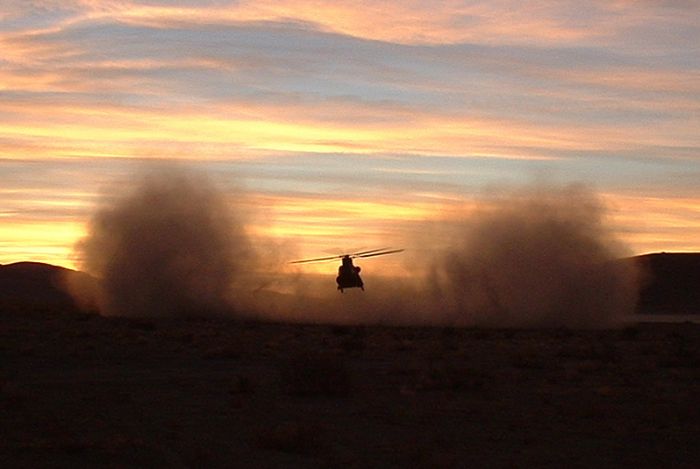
(537, 256)
(534, 257)
(168, 243)
(171, 244)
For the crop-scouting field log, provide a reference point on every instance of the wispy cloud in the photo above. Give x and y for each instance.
(411, 22)
(393, 99)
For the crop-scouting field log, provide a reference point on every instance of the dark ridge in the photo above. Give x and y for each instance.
(35, 284)
(670, 283)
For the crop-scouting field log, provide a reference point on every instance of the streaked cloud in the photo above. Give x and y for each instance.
(346, 113)
(410, 22)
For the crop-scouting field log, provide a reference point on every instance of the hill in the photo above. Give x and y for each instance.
(671, 283)
(35, 284)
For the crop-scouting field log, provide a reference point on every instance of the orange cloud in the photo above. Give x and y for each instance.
(48, 241)
(249, 129)
(410, 22)
(652, 223)
(455, 88)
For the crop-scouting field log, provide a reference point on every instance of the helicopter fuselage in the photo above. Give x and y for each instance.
(349, 275)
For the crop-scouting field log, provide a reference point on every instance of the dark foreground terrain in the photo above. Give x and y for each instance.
(81, 390)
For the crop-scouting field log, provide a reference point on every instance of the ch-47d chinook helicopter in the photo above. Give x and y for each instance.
(348, 273)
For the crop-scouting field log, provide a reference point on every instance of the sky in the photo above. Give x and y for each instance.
(350, 124)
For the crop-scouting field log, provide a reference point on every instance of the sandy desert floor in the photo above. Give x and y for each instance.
(86, 391)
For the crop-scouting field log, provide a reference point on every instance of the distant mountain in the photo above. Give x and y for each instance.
(35, 283)
(670, 284)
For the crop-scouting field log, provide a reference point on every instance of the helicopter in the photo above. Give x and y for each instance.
(349, 273)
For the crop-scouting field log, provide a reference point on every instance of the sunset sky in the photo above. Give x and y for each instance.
(350, 123)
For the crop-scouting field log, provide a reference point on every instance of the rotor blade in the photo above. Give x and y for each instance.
(318, 259)
(391, 251)
(362, 253)
(370, 253)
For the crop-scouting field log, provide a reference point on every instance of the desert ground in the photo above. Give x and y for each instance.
(80, 390)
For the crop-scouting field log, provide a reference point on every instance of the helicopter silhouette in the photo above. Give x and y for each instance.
(349, 273)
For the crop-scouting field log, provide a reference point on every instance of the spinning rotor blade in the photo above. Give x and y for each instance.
(362, 253)
(370, 253)
(381, 253)
(318, 259)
